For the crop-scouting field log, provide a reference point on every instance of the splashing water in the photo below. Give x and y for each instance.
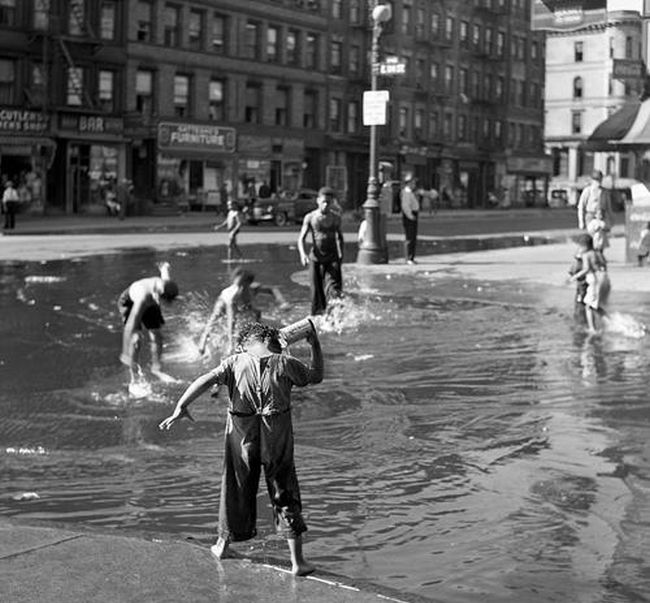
(624, 324)
(345, 314)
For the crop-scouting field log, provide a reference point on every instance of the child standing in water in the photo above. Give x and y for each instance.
(643, 246)
(259, 433)
(233, 224)
(594, 270)
(598, 229)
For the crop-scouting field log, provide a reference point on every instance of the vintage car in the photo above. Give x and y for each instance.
(282, 209)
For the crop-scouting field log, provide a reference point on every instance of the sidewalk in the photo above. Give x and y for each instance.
(45, 564)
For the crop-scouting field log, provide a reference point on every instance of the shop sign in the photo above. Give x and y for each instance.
(20, 121)
(90, 124)
(536, 165)
(195, 137)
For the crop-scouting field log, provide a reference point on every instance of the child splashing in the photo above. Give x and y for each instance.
(594, 270)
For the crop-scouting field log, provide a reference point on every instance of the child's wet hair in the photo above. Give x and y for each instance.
(170, 290)
(241, 273)
(585, 240)
(258, 331)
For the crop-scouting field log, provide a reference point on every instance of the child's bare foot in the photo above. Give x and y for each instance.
(304, 568)
(221, 550)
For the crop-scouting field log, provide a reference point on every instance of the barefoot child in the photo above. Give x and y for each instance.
(233, 224)
(594, 269)
(259, 433)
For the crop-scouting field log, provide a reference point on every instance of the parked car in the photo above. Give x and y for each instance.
(558, 197)
(283, 209)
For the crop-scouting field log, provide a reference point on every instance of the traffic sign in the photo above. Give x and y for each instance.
(392, 66)
(374, 107)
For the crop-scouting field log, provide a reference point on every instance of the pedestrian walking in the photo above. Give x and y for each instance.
(410, 207)
(593, 198)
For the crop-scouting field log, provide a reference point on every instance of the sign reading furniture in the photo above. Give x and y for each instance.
(183, 136)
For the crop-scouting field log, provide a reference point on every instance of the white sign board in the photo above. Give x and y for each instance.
(374, 107)
(392, 66)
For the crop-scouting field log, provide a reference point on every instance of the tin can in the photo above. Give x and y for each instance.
(298, 330)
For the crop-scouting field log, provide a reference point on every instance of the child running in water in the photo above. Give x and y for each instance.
(594, 269)
(233, 224)
(643, 246)
(259, 433)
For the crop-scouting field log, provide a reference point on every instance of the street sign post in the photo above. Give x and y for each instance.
(374, 107)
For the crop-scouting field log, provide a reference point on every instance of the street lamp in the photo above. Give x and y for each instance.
(373, 249)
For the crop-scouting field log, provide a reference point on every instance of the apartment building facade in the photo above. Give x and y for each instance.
(195, 100)
(581, 92)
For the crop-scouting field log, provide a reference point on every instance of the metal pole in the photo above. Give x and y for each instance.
(373, 249)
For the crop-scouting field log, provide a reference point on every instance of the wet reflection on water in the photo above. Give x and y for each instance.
(468, 442)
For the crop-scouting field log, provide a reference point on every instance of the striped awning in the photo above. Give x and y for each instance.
(628, 127)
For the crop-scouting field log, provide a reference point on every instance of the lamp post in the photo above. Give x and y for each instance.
(373, 249)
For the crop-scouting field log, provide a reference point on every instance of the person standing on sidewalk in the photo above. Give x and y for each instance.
(593, 198)
(259, 433)
(124, 192)
(10, 200)
(326, 255)
(410, 208)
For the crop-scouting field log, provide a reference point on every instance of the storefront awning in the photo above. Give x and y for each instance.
(626, 128)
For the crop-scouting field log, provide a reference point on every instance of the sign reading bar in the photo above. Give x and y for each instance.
(197, 137)
(21, 121)
(90, 124)
(628, 69)
(392, 66)
(374, 107)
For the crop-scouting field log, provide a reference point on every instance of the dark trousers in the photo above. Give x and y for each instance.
(411, 236)
(10, 214)
(326, 282)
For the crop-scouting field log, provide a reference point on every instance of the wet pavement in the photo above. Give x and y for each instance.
(50, 563)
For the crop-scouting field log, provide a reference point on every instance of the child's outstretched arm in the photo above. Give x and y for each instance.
(218, 310)
(195, 389)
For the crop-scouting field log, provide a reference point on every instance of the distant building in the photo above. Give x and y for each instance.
(200, 100)
(581, 92)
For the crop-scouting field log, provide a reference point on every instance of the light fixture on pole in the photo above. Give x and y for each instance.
(373, 248)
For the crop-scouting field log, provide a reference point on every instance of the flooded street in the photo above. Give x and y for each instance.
(469, 441)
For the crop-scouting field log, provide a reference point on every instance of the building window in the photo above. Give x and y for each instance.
(463, 31)
(309, 109)
(420, 72)
(355, 12)
(337, 9)
(311, 51)
(628, 47)
(449, 78)
(272, 35)
(144, 92)
(219, 34)
(521, 93)
(7, 12)
(501, 43)
(420, 31)
(499, 88)
(36, 85)
(74, 88)
(449, 28)
(252, 113)
(463, 81)
(498, 130)
(404, 122)
(355, 60)
(353, 117)
(462, 127)
(291, 46)
(195, 27)
(107, 91)
(476, 35)
(418, 124)
(476, 84)
(76, 17)
(435, 73)
(107, 20)
(433, 124)
(181, 96)
(577, 52)
(282, 106)
(534, 50)
(216, 105)
(448, 126)
(172, 22)
(611, 48)
(335, 114)
(406, 19)
(435, 24)
(143, 15)
(487, 40)
(577, 87)
(41, 16)
(576, 122)
(336, 50)
(624, 167)
(7, 81)
(251, 40)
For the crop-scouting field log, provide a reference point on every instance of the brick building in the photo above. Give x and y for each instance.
(193, 99)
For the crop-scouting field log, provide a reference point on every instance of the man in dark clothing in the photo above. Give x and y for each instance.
(326, 255)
